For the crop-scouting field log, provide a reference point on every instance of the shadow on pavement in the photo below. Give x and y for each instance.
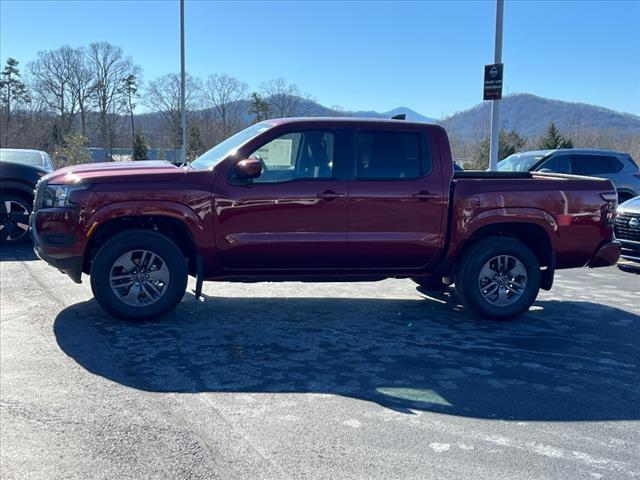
(563, 361)
(21, 251)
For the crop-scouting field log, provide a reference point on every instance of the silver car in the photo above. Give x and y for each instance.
(618, 167)
(627, 228)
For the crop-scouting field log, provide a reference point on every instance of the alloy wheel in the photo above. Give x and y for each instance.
(14, 221)
(139, 278)
(502, 280)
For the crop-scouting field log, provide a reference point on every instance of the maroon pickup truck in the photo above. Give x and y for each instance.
(320, 200)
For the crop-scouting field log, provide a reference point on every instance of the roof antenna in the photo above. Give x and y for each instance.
(400, 116)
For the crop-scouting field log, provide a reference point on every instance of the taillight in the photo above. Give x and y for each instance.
(610, 207)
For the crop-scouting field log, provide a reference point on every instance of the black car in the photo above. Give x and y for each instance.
(20, 170)
(627, 228)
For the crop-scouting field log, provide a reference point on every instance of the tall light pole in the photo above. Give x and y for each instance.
(495, 104)
(183, 119)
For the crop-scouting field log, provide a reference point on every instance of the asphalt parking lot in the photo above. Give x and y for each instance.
(340, 381)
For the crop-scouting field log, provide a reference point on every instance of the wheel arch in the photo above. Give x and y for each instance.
(167, 225)
(532, 235)
(18, 189)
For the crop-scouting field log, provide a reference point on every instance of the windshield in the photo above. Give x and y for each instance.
(520, 162)
(218, 153)
(25, 157)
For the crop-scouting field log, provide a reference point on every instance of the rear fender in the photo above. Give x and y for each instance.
(464, 228)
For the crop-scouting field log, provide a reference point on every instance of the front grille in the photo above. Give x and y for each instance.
(623, 230)
(39, 196)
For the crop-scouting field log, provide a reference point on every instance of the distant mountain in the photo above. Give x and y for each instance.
(530, 115)
(412, 115)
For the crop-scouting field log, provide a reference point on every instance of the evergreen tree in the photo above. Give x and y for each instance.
(508, 144)
(554, 139)
(13, 92)
(130, 86)
(140, 150)
(196, 145)
(259, 107)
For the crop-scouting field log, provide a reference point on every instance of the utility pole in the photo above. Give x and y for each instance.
(495, 104)
(183, 118)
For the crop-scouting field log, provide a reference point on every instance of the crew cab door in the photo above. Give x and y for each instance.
(397, 199)
(294, 215)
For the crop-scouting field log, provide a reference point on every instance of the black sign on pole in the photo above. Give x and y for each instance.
(493, 81)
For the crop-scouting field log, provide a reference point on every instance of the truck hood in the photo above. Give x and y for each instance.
(112, 172)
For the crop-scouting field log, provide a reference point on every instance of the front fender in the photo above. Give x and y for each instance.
(158, 208)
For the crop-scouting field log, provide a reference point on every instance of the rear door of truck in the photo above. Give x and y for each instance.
(398, 196)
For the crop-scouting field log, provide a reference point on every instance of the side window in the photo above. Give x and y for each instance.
(589, 165)
(296, 155)
(389, 156)
(558, 164)
(48, 163)
(613, 164)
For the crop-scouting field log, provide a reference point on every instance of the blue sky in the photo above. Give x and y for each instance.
(362, 55)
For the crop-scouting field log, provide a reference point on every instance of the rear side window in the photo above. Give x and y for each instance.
(390, 156)
(557, 164)
(613, 164)
(594, 164)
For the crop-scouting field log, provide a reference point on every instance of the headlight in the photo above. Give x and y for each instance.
(58, 195)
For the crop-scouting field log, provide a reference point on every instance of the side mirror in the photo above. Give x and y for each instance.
(248, 168)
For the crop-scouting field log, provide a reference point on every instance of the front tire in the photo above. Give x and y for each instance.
(498, 278)
(139, 275)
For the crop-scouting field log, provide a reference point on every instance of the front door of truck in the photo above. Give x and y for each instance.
(294, 215)
(397, 200)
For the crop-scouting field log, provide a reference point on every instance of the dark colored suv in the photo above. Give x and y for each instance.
(618, 167)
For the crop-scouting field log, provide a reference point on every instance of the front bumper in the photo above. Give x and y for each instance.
(630, 250)
(57, 245)
(608, 254)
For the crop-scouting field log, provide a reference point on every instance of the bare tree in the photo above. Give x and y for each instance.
(110, 68)
(51, 81)
(81, 82)
(162, 95)
(284, 98)
(337, 111)
(223, 94)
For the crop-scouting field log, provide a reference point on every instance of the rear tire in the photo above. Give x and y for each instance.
(498, 278)
(14, 219)
(139, 275)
